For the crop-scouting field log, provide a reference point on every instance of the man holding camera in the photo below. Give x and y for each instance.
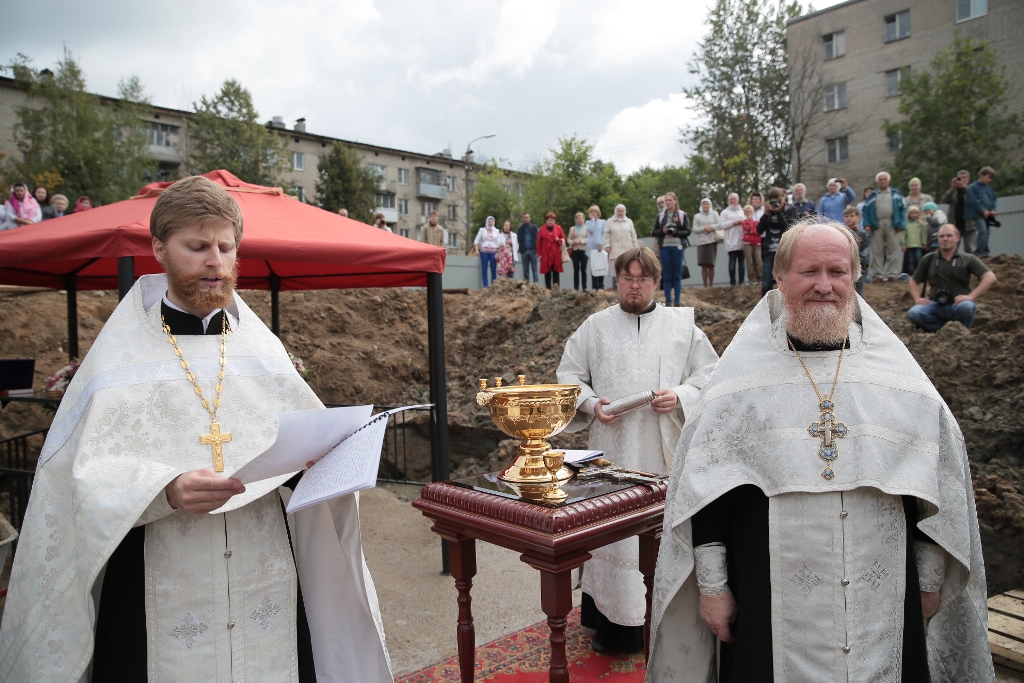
(948, 275)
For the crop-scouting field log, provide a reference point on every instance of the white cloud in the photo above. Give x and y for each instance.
(646, 135)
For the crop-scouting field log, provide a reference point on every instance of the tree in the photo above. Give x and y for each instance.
(344, 182)
(743, 96)
(643, 187)
(75, 142)
(572, 180)
(224, 133)
(955, 117)
(493, 197)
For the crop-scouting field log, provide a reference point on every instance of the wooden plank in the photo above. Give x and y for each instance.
(1006, 626)
(1019, 593)
(1010, 651)
(1007, 605)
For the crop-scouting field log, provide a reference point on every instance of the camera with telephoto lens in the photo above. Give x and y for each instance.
(942, 297)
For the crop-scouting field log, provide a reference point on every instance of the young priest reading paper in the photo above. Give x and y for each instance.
(138, 557)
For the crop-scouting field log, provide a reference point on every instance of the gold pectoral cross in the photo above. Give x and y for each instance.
(216, 439)
(827, 429)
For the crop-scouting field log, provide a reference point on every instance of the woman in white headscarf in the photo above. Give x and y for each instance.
(487, 241)
(619, 235)
(704, 224)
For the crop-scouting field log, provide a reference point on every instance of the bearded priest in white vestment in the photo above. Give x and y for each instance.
(138, 560)
(635, 346)
(820, 520)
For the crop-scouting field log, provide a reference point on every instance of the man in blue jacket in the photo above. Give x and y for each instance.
(527, 235)
(833, 203)
(981, 207)
(885, 217)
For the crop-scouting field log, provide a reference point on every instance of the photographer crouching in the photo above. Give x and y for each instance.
(947, 275)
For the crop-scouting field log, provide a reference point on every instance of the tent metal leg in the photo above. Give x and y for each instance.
(275, 304)
(71, 287)
(438, 392)
(125, 275)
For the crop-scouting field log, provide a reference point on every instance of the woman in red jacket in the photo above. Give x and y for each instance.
(550, 239)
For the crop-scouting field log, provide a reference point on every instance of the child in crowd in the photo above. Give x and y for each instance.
(935, 218)
(751, 245)
(913, 238)
(851, 216)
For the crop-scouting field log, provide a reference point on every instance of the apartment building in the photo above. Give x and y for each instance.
(412, 184)
(847, 62)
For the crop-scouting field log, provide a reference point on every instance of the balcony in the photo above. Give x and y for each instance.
(165, 153)
(431, 191)
(390, 215)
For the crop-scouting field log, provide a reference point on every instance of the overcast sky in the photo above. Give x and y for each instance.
(412, 74)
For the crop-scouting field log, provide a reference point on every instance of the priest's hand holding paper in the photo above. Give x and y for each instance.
(665, 401)
(201, 491)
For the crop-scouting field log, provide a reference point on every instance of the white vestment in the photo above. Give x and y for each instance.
(220, 588)
(614, 354)
(750, 427)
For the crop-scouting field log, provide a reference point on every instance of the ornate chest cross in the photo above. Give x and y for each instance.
(216, 439)
(827, 429)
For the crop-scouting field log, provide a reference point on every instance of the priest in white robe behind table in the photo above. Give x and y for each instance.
(820, 520)
(123, 572)
(633, 347)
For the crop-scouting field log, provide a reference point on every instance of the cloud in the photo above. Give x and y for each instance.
(646, 135)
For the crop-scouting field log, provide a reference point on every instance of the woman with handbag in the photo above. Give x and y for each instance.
(671, 229)
(551, 250)
(508, 252)
(705, 226)
(578, 235)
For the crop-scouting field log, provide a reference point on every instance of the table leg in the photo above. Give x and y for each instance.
(556, 601)
(649, 544)
(463, 559)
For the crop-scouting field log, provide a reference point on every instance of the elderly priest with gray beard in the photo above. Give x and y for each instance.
(820, 521)
(139, 559)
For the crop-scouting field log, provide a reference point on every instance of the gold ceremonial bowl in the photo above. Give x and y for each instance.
(531, 413)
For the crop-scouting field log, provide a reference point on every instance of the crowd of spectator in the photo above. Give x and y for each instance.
(22, 208)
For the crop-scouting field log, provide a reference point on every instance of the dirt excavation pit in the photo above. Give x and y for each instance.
(370, 345)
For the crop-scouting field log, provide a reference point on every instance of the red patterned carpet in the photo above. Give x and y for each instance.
(523, 657)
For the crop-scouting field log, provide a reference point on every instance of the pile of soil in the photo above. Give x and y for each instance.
(371, 346)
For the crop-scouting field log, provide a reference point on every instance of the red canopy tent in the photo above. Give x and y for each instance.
(286, 245)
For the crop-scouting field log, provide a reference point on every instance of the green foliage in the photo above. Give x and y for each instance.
(572, 180)
(492, 196)
(643, 187)
(225, 133)
(954, 117)
(66, 134)
(742, 95)
(344, 182)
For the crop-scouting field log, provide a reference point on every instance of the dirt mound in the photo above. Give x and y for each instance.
(370, 346)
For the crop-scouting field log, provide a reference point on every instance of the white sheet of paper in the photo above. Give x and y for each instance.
(575, 457)
(350, 467)
(303, 435)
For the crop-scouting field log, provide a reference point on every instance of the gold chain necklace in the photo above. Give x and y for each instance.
(826, 428)
(215, 438)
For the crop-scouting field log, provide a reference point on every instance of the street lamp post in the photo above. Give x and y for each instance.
(469, 150)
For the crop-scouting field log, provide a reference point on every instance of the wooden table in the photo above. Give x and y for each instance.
(552, 540)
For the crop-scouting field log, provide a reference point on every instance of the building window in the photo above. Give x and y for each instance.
(426, 208)
(971, 9)
(403, 207)
(452, 183)
(404, 232)
(895, 142)
(162, 135)
(893, 79)
(453, 239)
(299, 193)
(403, 176)
(428, 176)
(835, 44)
(838, 149)
(835, 96)
(453, 212)
(897, 26)
(384, 200)
(298, 161)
